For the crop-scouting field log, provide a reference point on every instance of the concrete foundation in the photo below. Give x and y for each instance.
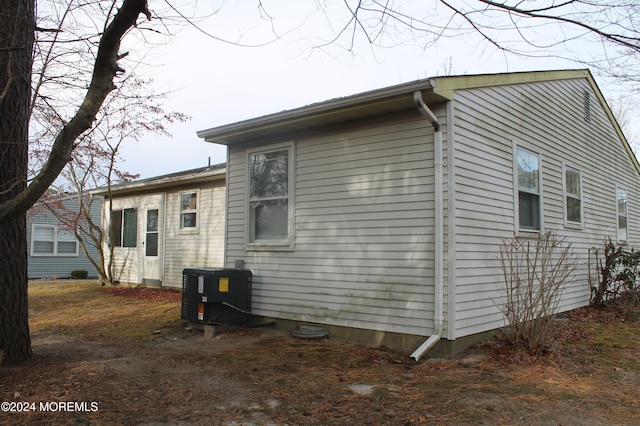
(397, 342)
(402, 343)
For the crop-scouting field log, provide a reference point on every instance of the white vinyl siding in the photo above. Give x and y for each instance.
(363, 229)
(546, 118)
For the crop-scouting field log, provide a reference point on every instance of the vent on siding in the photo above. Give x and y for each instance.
(587, 106)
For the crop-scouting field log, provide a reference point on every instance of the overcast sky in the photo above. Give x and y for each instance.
(218, 83)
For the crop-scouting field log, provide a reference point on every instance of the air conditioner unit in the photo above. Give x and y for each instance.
(216, 296)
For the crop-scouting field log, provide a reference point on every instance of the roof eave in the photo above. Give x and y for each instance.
(390, 99)
(395, 98)
(334, 111)
(161, 182)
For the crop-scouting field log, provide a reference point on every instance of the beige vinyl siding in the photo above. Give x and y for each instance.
(547, 118)
(125, 263)
(363, 253)
(203, 248)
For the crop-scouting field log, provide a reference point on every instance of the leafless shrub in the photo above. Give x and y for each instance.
(535, 271)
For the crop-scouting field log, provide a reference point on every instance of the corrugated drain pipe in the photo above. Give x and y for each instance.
(438, 227)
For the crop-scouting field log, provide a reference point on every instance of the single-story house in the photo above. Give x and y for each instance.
(53, 249)
(162, 225)
(380, 215)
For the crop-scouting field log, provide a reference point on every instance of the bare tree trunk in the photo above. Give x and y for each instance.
(17, 25)
(15, 342)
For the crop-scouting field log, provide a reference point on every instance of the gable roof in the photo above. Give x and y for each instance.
(391, 99)
(217, 171)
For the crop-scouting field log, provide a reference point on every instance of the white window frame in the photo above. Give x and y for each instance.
(120, 243)
(622, 238)
(566, 194)
(516, 190)
(189, 229)
(284, 244)
(54, 241)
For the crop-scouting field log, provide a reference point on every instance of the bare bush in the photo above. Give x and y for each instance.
(535, 271)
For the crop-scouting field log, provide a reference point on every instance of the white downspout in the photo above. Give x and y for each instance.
(438, 228)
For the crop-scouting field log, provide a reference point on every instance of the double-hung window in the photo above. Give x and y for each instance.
(270, 197)
(528, 194)
(124, 228)
(622, 213)
(188, 210)
(50, 240)
(66, 242)
(572, 196)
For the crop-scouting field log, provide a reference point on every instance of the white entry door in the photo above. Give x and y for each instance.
(152, 243)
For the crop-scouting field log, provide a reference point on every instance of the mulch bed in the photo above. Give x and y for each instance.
(146, 293)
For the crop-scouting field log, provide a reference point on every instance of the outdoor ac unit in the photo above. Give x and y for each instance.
(216, 296)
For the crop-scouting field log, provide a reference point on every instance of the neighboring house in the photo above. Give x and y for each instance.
(380, 215)
(162, 225)
(53, 249)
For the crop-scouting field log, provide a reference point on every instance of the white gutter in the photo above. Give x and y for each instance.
(338, 108)
(438, 228)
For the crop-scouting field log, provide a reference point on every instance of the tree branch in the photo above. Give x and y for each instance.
(104, 72)
(632, 42)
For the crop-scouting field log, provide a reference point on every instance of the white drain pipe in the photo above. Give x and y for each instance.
(438, 228)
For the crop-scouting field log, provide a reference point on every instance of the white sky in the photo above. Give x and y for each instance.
(218, 83)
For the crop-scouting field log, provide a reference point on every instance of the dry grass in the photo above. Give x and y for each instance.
(79, 307)
(97, 344)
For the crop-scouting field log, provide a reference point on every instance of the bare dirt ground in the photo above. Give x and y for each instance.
(118, 356)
